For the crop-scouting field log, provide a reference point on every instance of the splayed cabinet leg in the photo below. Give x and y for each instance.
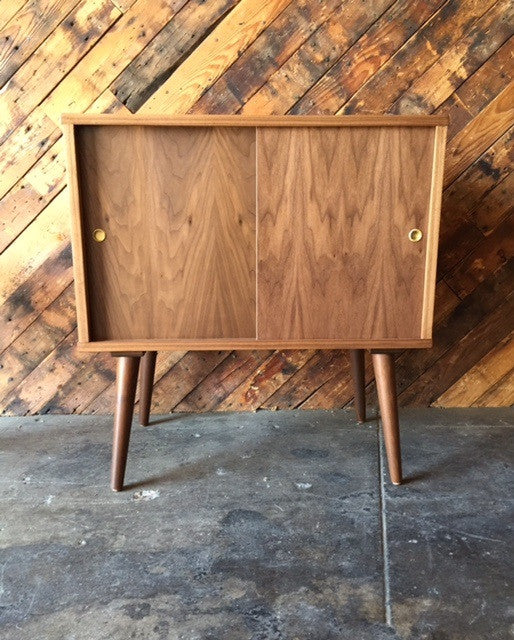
(126, 383)
(146, 386)
(357, 366)
(383, 364)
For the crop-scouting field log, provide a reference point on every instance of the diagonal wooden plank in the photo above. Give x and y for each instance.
(443, 29)
(27, 29)
(34, 344)
(300, 22)
(458, 62)
(319, 53)
(36, 137)
(499, 395)
(477, 381)
(489, 80)
(37, 134)
(48, 233)
(31, 394)
(479, 134)
(459, 233)
(495, 206)
(461, 356)
(186, 374)
(465, 318)
(323, 366)
(366, 56)
(8, 8)
(102, 401)
(488, 257)
(29, 300)
(31, 194)
(215, 54)
(272, 373)
(222, 380)
(97, 70)
(167, 50)
(59, 53)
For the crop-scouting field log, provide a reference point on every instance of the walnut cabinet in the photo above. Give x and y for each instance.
(230, 232)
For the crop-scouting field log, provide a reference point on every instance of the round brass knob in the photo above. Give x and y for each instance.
(415, 235)
(99, 235)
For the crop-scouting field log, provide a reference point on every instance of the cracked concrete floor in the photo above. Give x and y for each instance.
(264, 526)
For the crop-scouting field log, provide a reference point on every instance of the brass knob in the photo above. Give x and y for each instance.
(415, 235)
(99, 235)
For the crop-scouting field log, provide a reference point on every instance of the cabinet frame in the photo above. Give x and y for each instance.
(87, 344)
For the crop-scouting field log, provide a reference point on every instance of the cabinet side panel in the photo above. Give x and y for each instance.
(433, 233)
(178, 209)
(335, 210)
(79, 267)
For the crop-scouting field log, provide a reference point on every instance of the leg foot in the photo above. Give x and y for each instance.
(357, 366)
(126, 382)
(146, 386)
(383, 364)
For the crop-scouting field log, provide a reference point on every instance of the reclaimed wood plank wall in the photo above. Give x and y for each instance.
(253, 57)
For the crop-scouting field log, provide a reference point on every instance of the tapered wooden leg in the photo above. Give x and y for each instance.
(383, 364)
(126, 382)
(146, 386)
(357, 365)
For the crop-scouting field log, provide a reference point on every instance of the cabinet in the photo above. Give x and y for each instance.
(230, 232)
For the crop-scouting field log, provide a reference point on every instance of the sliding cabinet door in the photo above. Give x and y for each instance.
(335, 208)
(168, 221)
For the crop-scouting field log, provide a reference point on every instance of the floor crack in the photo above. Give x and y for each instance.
(383, 520)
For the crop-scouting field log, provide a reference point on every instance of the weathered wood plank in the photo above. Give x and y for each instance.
(442, 30)
(457, 63)
(48, 233)
(499, 395)
(96, 71)
(489, 80)
(486, 259)
(479, 134)
(26, 30)
(30, 348)
(165, 52)
(457, 113)
(366, 56)
(223, 380)
(470, 314)
(186, 374)
(301, 28)
(35, 293)
(460, 357)
(104, 401)
(477, 381)
(323, 366)
(32, 392)
(337, 391)
(30, 195)
(495, 206)
(37, 134)
(459, 235)
(215, 54)
(8, 8)
(59, 53)
(280, 366)
(287, 85)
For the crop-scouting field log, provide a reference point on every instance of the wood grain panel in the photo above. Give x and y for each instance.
(189, 217)
(335, 210)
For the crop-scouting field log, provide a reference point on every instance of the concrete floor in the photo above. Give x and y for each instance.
(266, 526)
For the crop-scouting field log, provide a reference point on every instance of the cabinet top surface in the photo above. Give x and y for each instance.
(256, 121)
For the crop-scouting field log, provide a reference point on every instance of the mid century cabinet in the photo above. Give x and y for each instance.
(232, 232)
